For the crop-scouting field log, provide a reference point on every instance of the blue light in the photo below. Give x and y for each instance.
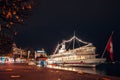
(40, 51)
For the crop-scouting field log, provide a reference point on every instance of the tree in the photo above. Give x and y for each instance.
(12, 13)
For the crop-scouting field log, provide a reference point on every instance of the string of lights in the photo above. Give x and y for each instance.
(69, 40)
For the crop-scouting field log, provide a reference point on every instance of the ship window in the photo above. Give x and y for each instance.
(82, 57)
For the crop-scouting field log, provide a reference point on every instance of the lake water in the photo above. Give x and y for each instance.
(109, 69)
(103, 69)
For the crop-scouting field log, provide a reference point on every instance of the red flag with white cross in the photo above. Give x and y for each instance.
(110, 48)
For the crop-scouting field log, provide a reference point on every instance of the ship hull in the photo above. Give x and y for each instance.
(80, 63)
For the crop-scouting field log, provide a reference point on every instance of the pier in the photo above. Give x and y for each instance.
(26, 72)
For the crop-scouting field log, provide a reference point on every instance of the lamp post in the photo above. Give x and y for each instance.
(28, 54)
(35, 55)
(21, 52)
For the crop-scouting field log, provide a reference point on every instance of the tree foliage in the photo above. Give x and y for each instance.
(12, 13)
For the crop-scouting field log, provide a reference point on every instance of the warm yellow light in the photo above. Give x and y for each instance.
(7, 25)
(23, 8)
(82, 57)
(29, 6)
(17, 17)
(9, 15)
(11, 23)
(14, 12)
(20, 20)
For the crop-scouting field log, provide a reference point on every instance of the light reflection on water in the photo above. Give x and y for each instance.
(77, 69)
(103, 69)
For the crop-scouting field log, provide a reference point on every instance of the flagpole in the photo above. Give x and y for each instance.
(107, 44)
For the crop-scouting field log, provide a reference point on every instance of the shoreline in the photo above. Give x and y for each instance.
(81, 75)
(44, 73)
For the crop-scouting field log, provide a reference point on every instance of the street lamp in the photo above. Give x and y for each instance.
(28, 54)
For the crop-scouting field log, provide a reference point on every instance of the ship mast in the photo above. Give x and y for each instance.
(74, 40)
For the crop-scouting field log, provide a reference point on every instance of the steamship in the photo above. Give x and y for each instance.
(84, 55)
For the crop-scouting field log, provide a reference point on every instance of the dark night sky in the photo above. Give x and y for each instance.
(54, 20)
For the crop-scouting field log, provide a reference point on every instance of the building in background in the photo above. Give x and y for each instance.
(41, 57)
(18, 53)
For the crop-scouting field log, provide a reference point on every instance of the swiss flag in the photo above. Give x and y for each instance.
(110, 48)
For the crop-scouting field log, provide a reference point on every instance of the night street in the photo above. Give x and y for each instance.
(25, 72)
(59, 40)
(19, 72)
